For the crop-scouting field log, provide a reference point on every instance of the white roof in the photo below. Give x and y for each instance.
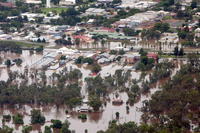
(197, 30)
(65, 50)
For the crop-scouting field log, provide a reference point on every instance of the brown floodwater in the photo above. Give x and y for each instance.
(96, 121)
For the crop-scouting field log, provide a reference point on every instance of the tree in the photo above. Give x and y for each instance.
(63, 57)
(8, 63)
(88, 60)
(194, 4)
(181, 52)
(82, 116)
(77, 41)
(142, 52)
(95, 102)
(18, 119)
(121, 52)
(6, 129)
(18, 61)
(117, 115)
(65, 127)
(47, 129)
(79, 60)
(130, 32)
(56, 124)
(162, 27)
(26, 129)
(39, 49)
(96, 68)
(36, 117)
(176, 51)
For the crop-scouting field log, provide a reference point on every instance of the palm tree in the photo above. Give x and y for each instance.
(103, 43)
(77, 42)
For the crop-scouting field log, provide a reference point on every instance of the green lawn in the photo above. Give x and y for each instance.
(22, 44)
(56, 9)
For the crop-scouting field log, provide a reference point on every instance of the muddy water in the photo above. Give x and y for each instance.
(26, 57)
(95, 121)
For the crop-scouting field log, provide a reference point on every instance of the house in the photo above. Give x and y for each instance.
(32, 16)
(106, 29)
(139, 18)
(104, 1)
(67, 2)
(84, 108)
(7, 4)
(5, 37)
(95, 11)
(83, 38)
(152, 56)
(66, 51)
(117, 102)
(183, 3)
(138, 4)
(33, 1)
(169, 38)
(103, 61)
(132, 58)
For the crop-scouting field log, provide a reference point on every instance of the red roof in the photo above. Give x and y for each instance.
(152, 55)
(108, 29)
(82, 38)
(7, 4)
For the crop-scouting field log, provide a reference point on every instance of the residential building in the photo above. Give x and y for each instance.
(197, 32)
(33, 1)
(95, 11)
(67, 2)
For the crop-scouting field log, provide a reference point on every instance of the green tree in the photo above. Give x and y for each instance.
(194, 4)
(96, 68)
(8, 63)
(56, 124)
(181, 52)
(36, 117)
(65, 128)
(47, 129)
(18, 119)
(26, 129)
(117, 115)
(95, 102)
(176, 51)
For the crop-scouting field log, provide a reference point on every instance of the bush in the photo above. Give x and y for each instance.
(26, 129)
(113, 52)
(39, 49)
(82, 116)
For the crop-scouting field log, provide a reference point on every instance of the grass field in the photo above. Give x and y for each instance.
(22, 44)
(56, 9)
